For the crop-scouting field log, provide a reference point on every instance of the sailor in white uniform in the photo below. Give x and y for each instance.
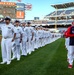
(7, 39)
(24, 39)
(36, 38)
(18, 40)
(30, 35)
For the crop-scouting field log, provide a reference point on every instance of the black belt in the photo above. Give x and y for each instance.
(6, 37)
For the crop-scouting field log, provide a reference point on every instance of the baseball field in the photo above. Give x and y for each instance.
(48, 60)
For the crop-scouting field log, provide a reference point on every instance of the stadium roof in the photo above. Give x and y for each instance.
(65, 5)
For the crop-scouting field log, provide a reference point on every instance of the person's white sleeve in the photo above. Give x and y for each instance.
(21, 31)
(13, 29)
(32, 29)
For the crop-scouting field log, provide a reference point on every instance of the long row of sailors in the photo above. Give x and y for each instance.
(21, 39)
(32, 38)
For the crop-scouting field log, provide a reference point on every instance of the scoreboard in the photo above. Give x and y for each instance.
(14, 10)
(8, 9)
(20, 10)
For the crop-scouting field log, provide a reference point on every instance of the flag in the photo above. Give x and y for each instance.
(19, 0)
(28, 6)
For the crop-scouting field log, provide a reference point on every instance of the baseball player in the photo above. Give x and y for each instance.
(70, 35)
(7, 39)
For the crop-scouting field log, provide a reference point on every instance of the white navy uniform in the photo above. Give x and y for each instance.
(16, 52)
(43, 38)
(6, 43)
(24, 41)
(29, 37)
(40, 37)
(36, 40)
(33, 41)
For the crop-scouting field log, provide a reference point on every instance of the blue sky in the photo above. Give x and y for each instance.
(40, 8)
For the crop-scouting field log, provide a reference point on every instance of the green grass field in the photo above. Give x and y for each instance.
(48, 60)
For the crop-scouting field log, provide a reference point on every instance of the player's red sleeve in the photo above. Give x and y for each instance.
(65, 34)
(68, 33)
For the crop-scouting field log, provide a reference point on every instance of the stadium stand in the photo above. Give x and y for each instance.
(62, 17)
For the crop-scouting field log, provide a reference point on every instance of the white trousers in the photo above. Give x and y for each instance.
(67, 42)
(40, 42)
(24, 48)
(36, 43)
(6, 46)
(16, 51)
(33, 44)
(71, 54)
(29, 45)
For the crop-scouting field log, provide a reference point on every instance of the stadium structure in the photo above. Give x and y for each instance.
(61, 18)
